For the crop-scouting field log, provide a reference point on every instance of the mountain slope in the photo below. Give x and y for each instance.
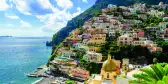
(94, 10)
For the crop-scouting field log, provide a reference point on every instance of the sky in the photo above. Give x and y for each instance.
(35, 18)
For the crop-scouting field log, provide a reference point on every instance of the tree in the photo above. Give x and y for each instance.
(163, 81)
(152, 75)
(93, 68)
(104, 48)
(159, 41)
(162, 57)
(79, 53)
(165, 47)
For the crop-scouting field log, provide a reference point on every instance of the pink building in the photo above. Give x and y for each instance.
(140, 34)
(166, 33)
(154, 49)
(113, 21)
(126, 26)
(125, 40)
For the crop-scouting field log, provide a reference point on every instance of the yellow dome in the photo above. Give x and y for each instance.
(109, 65)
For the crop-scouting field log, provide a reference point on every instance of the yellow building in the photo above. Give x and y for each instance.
(97, 38)
(75, 34)
(93, 49)
(108, 73)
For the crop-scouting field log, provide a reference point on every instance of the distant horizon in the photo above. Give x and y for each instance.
(25, 36)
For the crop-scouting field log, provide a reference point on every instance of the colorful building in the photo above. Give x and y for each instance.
(93, 49)
(156, 13)
(81, 73)
(77, 46)
(108, 73)
(142, 42)
(153, 28)
(87, 25)
(125, 39)
(93, 57)
(75, 34)
(166, 33)
(97, 38)
(139, 34)
(63, 50)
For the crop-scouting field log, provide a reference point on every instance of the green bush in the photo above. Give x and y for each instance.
(70, 82)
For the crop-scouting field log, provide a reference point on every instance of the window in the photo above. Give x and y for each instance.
(121, 42)
(125, 38)
(125, 68)
(126, 42)
(108, 76)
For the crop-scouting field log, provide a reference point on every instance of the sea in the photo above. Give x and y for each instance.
(20, 56)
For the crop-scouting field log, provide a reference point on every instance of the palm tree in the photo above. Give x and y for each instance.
(163, 81)
(156, 74)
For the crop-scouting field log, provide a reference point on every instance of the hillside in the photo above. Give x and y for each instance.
(94, 10)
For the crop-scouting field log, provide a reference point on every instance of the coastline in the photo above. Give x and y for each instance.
(39, 73)
(37, 81)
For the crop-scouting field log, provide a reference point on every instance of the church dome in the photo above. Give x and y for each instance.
(109, 65)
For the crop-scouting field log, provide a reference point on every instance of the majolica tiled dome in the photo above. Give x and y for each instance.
(109, 65)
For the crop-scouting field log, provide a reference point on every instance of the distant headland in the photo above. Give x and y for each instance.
(5, 36)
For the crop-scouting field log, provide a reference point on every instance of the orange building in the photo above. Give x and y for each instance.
(93, 49)
(154, 49)
(97, 38)
(81, 73)
(75, 34)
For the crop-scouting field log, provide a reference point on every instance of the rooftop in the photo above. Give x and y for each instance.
(126, 35)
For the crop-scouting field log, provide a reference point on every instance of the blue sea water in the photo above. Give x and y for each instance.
(20, 56)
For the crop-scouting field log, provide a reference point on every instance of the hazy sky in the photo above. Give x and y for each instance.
(38, 17)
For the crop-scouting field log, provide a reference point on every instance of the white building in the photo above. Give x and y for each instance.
(77, 45)
(142, 42)
(67, 55)
(101, 25)
(154, 28)
(156, 13)
(87, 25)
(112, 6)
(93, 57)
